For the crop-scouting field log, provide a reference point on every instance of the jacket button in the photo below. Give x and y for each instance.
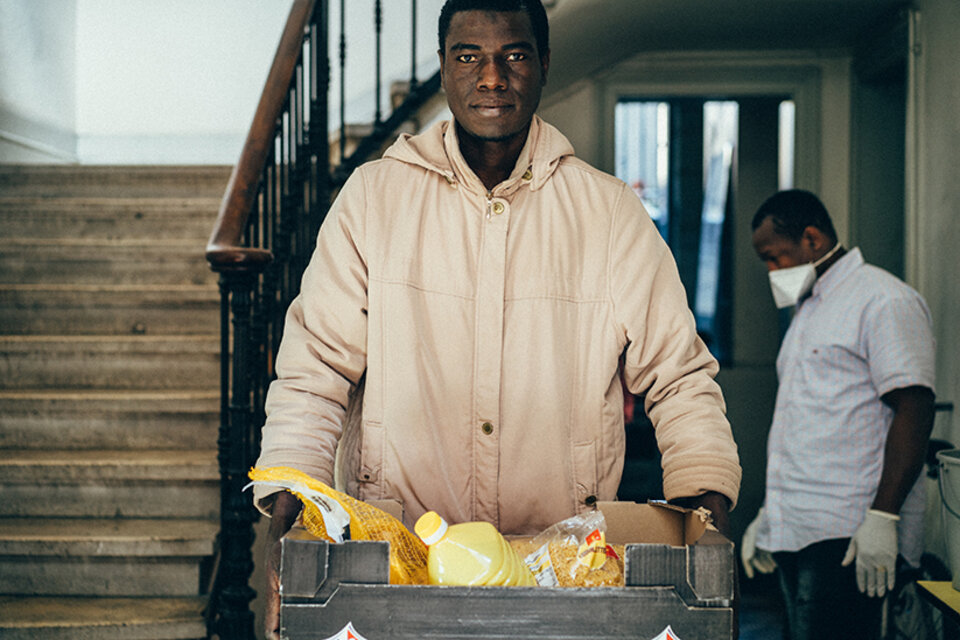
(498, 208)
(487, 428)
(590, 501)
(528, 175)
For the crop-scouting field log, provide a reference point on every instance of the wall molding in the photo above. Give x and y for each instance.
(36, 146)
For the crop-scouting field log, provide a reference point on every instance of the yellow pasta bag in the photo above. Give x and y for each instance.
(574, 553)
(327, 512)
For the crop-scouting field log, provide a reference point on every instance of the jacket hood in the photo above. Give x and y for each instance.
(438, 150)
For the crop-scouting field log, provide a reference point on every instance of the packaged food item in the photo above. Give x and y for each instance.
(470, 554)
(574, 553)
(327, 513)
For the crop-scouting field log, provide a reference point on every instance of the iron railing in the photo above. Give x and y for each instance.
(275, 202)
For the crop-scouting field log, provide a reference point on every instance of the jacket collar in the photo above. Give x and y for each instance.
(437, 149)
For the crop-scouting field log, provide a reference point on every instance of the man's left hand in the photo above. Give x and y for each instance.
(718, 505)
(874, 546)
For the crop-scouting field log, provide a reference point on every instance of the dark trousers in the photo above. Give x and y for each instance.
(821, 597)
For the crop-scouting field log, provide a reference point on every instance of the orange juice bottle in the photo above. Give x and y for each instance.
(470, 554)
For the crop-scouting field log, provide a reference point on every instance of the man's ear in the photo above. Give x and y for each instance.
(544, 66)
(814, 239)
(440, 55)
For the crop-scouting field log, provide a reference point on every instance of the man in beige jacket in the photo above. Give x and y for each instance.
(484, 282)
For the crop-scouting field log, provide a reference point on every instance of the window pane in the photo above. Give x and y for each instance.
(788, 111)
(719, 141)
(641, 153)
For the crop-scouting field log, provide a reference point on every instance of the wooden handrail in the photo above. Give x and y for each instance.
(224, 250)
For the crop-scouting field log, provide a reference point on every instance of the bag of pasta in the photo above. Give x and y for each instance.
(574, 553)
(327, 513)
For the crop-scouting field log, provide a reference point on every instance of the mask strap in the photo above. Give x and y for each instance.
(825, 256)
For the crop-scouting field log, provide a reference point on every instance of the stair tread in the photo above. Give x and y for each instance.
(108, 287)
(95, 528)
(39, 612)
(83, 201)
(78, 537)
(98, 395)
(107, 457)
(159, 243)
(7, 339)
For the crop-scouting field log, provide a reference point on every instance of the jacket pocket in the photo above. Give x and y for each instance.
(370, 469)
(585, 476)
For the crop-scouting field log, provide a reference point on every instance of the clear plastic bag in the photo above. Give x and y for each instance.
(574, 553)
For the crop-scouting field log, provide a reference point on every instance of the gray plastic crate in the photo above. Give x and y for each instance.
(689, 587)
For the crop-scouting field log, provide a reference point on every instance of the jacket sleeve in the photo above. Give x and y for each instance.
(323, 351)
(667, 361)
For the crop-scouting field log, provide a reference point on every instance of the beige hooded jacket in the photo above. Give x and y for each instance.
(489, 327)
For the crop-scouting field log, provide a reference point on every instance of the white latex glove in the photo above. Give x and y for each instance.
(751, 557)
(874, 545)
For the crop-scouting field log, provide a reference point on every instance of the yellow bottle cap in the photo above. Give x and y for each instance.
(430, 527)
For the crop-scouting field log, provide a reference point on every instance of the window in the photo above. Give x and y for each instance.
(679, 155)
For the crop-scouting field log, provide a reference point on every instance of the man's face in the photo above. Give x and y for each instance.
(778, 251)
(492, 72)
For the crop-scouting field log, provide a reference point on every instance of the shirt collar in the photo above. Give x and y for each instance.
(838, 272)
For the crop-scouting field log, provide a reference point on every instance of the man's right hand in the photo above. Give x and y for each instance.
(751, 557)
(286, 508)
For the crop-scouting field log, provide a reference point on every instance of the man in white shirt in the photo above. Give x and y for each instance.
(853, 415)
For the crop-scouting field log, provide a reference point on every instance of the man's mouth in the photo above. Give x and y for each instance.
(492, 108)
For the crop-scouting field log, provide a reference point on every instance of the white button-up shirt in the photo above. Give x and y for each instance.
(860, 334)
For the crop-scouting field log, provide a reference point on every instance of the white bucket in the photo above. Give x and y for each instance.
(949, 479)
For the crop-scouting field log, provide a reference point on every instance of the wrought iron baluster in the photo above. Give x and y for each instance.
(237, 515)
(343, 80)
(413, 45)
(378, 33)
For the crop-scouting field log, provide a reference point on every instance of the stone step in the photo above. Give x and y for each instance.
(79, 618)
(91, 419)
(86, 261)
(188, 219)
(107, 537)
(110, 362)
(126, 181)
(109, 309)
(44, 576)
(109, 483)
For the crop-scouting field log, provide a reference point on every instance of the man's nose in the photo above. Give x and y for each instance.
(492, 76)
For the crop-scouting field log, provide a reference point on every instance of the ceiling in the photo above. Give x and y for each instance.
(590, 35)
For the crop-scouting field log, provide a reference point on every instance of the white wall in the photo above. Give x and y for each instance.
(37, 66)
(171, 82)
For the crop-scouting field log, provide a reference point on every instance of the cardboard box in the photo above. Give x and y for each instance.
(678, 573)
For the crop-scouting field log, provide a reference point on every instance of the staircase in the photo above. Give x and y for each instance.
(109, 400)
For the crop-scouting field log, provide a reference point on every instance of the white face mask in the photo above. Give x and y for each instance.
(791, 284)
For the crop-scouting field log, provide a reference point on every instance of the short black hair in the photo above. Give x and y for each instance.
(533, 8)
(792, 211)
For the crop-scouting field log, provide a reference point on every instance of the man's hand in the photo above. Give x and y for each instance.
(286, 508)
(874, 546)
(751, 557)
(718, 505)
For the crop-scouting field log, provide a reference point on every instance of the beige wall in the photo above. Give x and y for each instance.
(934, 230)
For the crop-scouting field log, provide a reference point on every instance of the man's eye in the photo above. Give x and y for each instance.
(467, 57)
(516, 57)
